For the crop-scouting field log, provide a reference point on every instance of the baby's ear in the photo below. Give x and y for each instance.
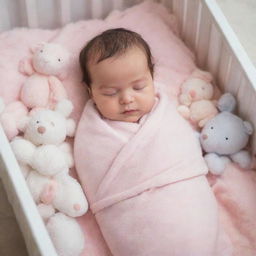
(34, 48)
(71, 127)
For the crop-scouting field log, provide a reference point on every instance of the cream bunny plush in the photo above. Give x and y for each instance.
(45, 159)
(196, 98)
(45, 69)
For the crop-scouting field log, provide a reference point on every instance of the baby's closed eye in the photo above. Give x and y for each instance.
(109, 92)
(139, 86)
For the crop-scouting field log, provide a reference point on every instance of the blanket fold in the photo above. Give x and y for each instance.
(156, 155)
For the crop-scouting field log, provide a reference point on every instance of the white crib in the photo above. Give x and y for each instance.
(203, 28)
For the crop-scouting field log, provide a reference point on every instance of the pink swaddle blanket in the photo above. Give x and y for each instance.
(149, 194)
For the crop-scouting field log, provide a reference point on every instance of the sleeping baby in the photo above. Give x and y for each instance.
(139, 162)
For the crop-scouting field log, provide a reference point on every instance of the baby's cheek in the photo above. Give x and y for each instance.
(108, 107)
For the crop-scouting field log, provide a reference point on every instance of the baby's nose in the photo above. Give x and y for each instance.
(126, 98)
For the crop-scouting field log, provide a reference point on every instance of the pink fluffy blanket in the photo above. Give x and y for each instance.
(235, 190)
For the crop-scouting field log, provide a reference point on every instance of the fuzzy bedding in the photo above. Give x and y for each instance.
(235, 190)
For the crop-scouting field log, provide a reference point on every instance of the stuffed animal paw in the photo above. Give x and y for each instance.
(216, 163)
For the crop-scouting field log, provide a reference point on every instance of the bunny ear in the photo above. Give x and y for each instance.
(33, 49)
(71, 127)
(22, 123)
(248, 127)
(64, 107)
(204, 75)
(227, 102)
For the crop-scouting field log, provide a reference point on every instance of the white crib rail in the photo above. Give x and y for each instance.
(30, 222)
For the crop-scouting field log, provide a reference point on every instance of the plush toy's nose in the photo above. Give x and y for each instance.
(204, 137)
(192, 94)
(41, 129)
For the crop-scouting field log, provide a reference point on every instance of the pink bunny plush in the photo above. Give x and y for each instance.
(47, 67)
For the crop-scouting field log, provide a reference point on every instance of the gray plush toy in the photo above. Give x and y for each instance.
(225, 136)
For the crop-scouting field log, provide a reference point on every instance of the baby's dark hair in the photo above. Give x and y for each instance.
(110, 43)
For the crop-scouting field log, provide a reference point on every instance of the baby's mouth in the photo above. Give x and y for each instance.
(130, 111)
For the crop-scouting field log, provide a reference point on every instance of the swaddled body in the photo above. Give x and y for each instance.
(139, 162)
(146, 184)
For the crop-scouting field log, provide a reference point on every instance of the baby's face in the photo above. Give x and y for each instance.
(122, 86)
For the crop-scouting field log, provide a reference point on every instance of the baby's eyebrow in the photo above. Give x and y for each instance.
(138, 80)
(106, 87)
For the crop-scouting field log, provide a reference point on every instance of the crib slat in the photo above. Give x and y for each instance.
(64, 11)
(190, 28)
(118, 4)
(234, 77)
(168, 4)
(97, 8)
(224, 66)
(31, 10)
(178, 7)
(214, 50)
(204, 27)
(246, 99)
(5, 17)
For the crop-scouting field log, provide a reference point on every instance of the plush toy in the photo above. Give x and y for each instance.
(43, 87)
(66, 234)
(61, 229)
(225, 136)
(196, 98)
(10, 117)
(45, 159)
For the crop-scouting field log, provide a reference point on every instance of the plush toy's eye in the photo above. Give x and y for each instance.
(37, 122)
(58, 59)
(226, 138)
(212, 127)
(41, 50)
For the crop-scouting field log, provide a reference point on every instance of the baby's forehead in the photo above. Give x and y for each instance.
(96, 56)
